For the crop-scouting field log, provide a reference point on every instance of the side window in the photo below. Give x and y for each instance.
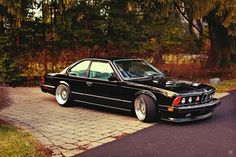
(100, 70)
(80, 69)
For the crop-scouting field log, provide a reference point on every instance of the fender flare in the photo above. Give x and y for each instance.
(64, 82)
(145, 92)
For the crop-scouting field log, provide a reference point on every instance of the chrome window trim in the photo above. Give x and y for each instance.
(92, 60)
(102, 97)
(127, 79)
(107, 61)
(103, 105)
(74, 64)
(103, 82)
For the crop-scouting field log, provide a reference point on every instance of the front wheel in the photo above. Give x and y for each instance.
(63, 95)
(145, 108)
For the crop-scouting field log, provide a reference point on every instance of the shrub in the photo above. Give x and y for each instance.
(9, 72)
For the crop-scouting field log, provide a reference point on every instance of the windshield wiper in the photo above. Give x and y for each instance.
(155, 76)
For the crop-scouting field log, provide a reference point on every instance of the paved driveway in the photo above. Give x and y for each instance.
(66, 131)
(213, 137)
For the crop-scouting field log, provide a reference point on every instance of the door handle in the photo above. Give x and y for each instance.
(89, 84)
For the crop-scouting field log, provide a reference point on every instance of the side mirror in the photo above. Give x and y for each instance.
(113, 78)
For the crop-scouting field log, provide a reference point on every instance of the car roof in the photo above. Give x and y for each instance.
(112, 58)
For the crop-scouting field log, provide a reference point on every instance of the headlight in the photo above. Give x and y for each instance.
(190, 99)
(183, 101)
(197, 98)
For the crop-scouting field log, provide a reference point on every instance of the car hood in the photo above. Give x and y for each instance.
(177, 86)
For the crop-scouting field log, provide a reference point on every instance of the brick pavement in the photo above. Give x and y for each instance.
(66, 131)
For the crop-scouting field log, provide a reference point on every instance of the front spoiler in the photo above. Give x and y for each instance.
(190, 113)
(179, 120)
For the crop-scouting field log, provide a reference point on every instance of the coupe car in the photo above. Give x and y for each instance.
(131, 85)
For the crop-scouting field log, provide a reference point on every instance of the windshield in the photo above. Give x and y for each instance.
(131, 69)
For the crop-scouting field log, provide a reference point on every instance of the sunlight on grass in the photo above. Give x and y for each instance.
(15, 142)
(226, 86)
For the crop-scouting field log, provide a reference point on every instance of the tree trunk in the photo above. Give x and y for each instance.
(55, 12)
(1, 25)
(199, 24)
(44, 23)
(220, 52)
(51, 20)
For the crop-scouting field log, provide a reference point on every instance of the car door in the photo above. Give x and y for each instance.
(103, 92)
(77, 78)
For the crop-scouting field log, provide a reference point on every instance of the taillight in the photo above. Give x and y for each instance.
(177, 100)
(42, 80)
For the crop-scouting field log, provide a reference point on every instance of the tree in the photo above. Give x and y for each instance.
(13, 16)
(220, 16)
(221, 19)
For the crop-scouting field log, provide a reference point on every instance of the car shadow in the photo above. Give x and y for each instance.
(101, 109)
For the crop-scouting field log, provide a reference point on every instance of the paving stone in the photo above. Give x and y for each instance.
(76, 129)
(106, 140)
(68, 146)
(95, 144)
(57, 155)
(82, 143)
(56, 152)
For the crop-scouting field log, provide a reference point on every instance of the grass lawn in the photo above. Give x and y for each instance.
(15, 142)
(226, 86)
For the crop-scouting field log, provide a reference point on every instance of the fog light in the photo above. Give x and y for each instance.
(183, 101)
(197, 98)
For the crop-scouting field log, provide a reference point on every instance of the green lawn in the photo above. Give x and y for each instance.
(226, 86)
(18, 143)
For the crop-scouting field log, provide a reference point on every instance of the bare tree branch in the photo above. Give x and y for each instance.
(186, 18)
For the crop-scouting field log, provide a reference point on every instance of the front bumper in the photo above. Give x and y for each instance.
(188, 113)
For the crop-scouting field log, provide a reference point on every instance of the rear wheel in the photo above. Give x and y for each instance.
(145, 108)
(63, 95)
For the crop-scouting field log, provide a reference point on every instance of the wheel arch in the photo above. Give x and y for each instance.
(145, 92)
(62, 82)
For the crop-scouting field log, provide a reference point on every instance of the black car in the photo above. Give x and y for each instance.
(131, 85)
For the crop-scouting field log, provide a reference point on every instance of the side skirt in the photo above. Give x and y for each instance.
(102, 105)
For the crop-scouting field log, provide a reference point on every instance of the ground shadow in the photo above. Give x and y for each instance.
(101, 109)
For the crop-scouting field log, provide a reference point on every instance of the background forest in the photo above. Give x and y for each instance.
(185, 38)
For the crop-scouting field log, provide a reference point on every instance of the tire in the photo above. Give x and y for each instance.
(63, 95)
(145, 108)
